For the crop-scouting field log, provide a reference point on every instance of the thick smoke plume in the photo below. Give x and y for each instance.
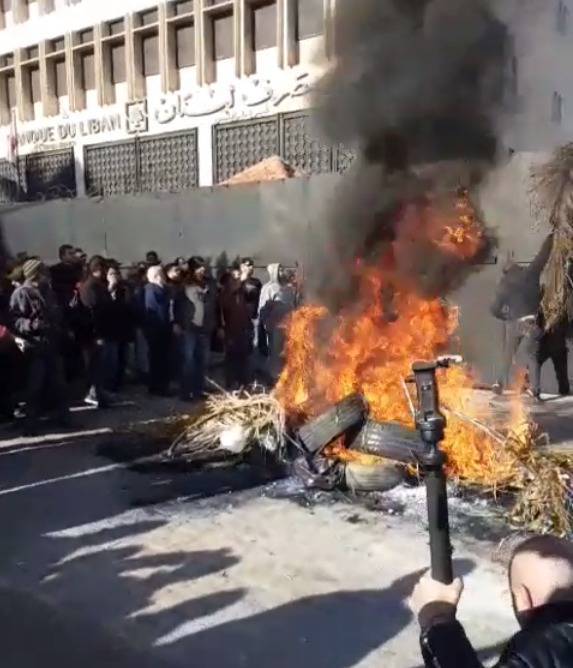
(416, 87)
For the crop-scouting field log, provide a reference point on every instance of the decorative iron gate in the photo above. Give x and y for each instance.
(9, 178)
(168, 163)
(149, 164)
(300, 149)
(110, 169)
(49, 175)
(237, 146)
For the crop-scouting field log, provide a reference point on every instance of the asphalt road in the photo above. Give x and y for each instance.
(107, 563)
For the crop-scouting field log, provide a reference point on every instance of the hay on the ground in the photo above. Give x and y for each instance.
(260, 416)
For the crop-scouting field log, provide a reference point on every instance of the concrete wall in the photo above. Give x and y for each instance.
(273, 221)
(269, 221)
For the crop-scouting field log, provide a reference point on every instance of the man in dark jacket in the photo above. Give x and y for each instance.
(96, 298)
(541, 582)
(194, 316)
(236, 314)
(66, 275)
(157, 328)
(36, 325)
(65, 278)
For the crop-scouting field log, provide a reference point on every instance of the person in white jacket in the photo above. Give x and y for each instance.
(277, 300)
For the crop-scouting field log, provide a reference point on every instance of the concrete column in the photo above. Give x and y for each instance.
(329, 28)
(47, 83)
(134, 64)
(207, 62)
(76, 93)
(247, 54)
(205, 152)
(23, 89)
(290, 43)
(46, 6)
(238, 34)
(167, 53)
(80, 169)
(102, 68)
(199, 42)
(20, 11)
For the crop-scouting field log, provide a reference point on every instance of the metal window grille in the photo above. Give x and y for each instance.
(300, 149)
(241, 145)
(344, 157)
(50, 175)
(110, 169)
(8, 181)
(152, 164)
(168, 163)
(237, 146)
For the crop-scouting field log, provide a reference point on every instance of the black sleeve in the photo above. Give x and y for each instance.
(445, 645)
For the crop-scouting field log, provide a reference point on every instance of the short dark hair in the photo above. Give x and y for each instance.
(195, 262)
(63, 249)
(248, 260)
(97, 263)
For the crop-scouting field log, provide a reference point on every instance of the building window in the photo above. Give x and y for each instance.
(218, 36)
(57, 45)
(83, 65)
(114, 59)
(181, 41)
(223, 36)
(562, 18)
(309, 18)
(557, 105)
(146, 44)
(87, 70)
(86, 36)
(183, 7)
(36, 91)
(61, 78)
(150, 55)
(184, 45)
(263, 18)
(7, 88)
(116, 27)
(149, 18)
(118, 63)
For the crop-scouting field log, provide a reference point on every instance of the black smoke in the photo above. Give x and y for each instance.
(416, 88)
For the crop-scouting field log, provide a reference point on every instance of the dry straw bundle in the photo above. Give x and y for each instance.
(552, 195)
(232, 423)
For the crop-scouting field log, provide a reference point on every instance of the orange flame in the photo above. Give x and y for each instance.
(364, 350)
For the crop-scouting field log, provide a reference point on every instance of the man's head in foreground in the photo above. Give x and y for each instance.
(540, 572)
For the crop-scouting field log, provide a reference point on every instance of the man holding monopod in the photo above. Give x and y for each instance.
(540, 571)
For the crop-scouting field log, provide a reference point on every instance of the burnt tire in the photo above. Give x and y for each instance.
(389, 440)
(318, 433)
(379, 477)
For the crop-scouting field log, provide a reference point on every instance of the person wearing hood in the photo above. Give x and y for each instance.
(277, 300)
(36, 325)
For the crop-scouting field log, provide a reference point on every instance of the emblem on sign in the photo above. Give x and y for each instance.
(136, 116)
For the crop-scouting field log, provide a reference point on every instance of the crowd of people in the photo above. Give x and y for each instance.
(96, 322)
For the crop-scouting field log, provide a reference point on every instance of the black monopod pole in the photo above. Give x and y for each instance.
(431, 423)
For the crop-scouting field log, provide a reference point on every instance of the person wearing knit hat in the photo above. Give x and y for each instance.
(36, 319)
(32, 268)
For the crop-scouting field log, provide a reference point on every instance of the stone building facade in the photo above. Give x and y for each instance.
(105, 98)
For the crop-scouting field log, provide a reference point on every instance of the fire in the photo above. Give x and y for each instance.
(367, 349)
